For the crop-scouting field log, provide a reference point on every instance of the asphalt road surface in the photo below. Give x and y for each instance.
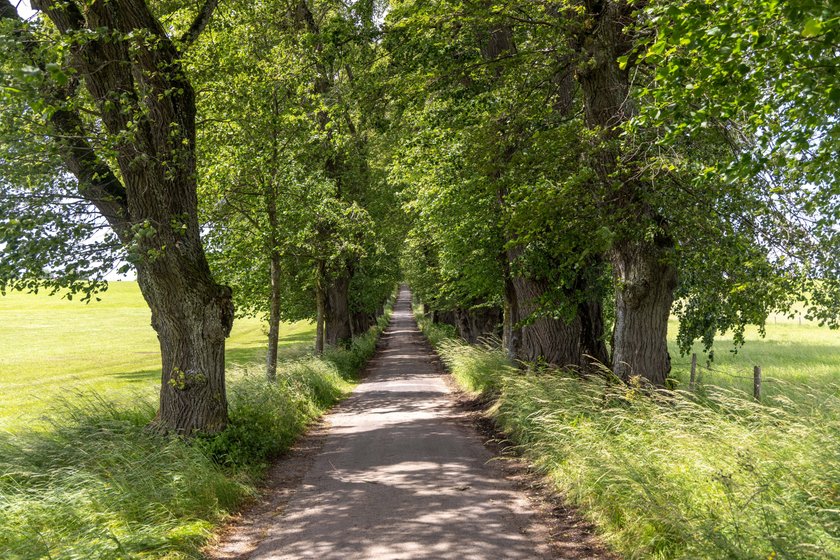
(400, 475)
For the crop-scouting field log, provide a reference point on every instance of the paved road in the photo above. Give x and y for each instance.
(401, 475)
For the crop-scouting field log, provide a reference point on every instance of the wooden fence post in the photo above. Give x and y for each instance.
(693, 377)
(757, 383)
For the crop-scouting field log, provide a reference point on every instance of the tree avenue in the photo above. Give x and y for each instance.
(565, 175)
(104, 160)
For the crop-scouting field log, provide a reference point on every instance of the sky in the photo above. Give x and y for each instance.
(25, 9)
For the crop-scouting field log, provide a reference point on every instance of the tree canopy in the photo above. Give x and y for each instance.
(564, 174)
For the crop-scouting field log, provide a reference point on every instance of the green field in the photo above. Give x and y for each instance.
(802, 354)
(52, 347)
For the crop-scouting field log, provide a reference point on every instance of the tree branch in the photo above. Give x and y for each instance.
(200, 22)
(97, 182)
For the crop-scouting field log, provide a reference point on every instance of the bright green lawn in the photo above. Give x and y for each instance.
(789, 353)
(51, 346)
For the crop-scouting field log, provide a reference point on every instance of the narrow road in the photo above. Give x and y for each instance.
(401, 474)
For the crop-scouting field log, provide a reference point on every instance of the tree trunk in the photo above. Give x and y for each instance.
(643, 270)
(511, 331)
(362, 321)
(337, 312)
(478, 322)
(592, 345)
(321, 304)
(191, 329)
(446, 318)
(273, 319)
(645, 283)
(544, 339)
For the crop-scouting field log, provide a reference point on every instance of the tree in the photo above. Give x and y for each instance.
(287, 184)
(580, 126)
(128, 139)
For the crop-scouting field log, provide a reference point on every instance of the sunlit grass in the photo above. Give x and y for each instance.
(93, 484)
(49, 346)
(671, 474)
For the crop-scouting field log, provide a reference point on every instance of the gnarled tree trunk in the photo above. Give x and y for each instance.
(644, 273)
(544, 339)
(645, 292)
(191, 325)
(147, 107)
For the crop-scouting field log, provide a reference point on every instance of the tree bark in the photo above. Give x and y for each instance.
(337, 311)
(543, 339)
(273, 319)
(321, 304)
(362, 322)
(644, 274)
(147, 106)
(644, 294)
(511, 331)
(592, 345)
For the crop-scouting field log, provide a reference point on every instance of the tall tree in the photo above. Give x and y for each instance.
(128, 139)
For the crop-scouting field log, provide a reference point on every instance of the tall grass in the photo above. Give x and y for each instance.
(97, 485)
(673, 474)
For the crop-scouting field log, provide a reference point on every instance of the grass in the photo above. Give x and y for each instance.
(48, 343)
(805, 354)
(92, 483)
(678, 475)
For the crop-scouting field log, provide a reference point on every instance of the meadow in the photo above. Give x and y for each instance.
(52, 347)
(704, 475)
(791, 352)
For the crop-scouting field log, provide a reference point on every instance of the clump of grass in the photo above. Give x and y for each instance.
(96, 484)
(435, 332)
(672, 474)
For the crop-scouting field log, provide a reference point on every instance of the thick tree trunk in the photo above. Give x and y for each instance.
(645, 283)
(543, 339)
(192, 322)
(644, 275)
(337, 312)
(273, 319)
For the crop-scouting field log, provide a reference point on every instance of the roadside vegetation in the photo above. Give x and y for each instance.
(674, 474)
(94, 483)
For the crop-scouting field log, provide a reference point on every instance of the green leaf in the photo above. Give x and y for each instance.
(813, 27)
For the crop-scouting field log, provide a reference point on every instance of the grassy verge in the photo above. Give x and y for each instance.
(674, 475)
(48, 343)
(96, 485)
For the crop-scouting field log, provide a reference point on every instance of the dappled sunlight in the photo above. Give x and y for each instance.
(401, 475)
